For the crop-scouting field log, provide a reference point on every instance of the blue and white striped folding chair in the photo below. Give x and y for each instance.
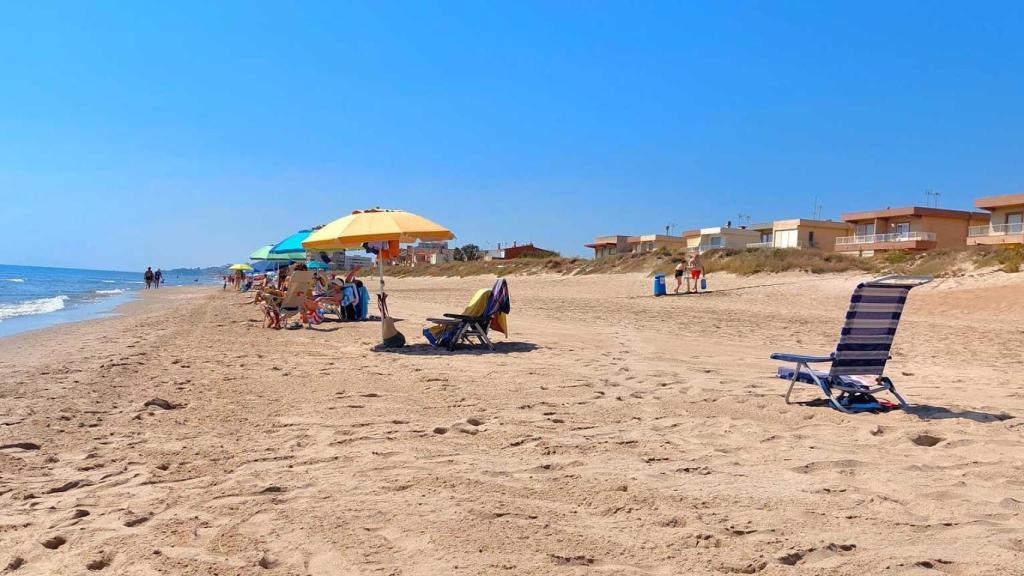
(864, 344)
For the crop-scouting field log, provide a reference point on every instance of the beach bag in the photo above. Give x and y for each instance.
(392, 337)
(859, 402)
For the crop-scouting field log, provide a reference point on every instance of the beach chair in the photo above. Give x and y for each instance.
(864, 344)
(300, 286)
(487, 309)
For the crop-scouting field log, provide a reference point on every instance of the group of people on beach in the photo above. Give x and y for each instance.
(326, 291)
(153, 279)
(692, 269)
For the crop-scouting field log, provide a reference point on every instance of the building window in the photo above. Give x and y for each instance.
(902, 230)
(866, 229)
(1015, 222)
(785, 238)
(810, 238)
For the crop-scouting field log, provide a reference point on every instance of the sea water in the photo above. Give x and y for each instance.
(34, 297)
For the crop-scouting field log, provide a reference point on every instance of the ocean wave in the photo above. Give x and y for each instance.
(108, 281)
(15, 279)
(29, 307)
(114, 291)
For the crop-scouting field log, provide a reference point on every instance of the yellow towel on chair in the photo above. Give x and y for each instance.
(476, 307)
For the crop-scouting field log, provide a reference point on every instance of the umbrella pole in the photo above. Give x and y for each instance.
(380, 275)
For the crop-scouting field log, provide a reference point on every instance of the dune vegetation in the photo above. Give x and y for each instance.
(939, 263)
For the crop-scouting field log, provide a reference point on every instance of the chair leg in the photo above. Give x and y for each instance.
(457, 337)
(827, 390)
(892, 388)
(486, 340)
(792, 383)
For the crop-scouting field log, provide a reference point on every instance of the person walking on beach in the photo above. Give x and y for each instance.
(148, 277)
(696, 271)
(680, 272)
(158, 277)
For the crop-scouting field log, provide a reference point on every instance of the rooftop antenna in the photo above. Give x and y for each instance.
(931, 196)
(817, 209)
(669, 227)
(743, 219)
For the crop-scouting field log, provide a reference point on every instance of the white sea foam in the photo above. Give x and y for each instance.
(29, 307)
(114, 291)
(15, 279)
(108, 281)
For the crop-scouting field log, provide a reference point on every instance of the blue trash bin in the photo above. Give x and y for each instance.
(659, 285)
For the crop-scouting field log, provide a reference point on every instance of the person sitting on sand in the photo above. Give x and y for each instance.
(696, 271)
(340, 295)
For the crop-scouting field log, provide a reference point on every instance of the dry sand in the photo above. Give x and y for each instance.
(614, 433)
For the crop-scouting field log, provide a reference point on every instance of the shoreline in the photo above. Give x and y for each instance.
(612, 431)
(110, 307)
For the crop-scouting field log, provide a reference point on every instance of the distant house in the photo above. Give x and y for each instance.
(341, 260)
(517, 250)
(425, 253)
(724, 237)
(612, 245)
(912, 228)
(1006, 223)
(799, 233)
(692, 238)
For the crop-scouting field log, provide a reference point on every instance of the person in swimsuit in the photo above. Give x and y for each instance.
(679, 274)
(696, 271)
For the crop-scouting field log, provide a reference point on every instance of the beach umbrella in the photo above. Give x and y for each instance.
(316, 265)
(377, 225)
(242, 267)
(264, 254)
(292, 244)
(268, 265)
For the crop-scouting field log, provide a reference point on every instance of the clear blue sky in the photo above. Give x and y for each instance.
(190, 133)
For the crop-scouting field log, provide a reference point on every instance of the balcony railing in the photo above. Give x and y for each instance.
(996, 229)
(885, 238)
(773, 245)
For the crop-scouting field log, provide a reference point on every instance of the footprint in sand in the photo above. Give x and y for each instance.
(1012, 504)
(54, 542)
(926, 440)
(99, 563)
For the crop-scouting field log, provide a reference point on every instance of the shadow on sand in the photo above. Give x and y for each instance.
(927, 412)
(428, 350)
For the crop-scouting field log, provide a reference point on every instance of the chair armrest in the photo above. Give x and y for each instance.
(801, 358)
(462, 317)
(444, 321)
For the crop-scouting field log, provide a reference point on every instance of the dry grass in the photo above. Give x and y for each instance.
(938, 263)
(755, 261)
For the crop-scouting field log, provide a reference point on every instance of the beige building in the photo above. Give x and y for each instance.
(765, 238)
(912, 228)
(1006, 224)
(613, 245)
(722, 237)
(799, 233)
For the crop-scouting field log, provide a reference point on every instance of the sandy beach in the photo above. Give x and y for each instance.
(612, 433)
